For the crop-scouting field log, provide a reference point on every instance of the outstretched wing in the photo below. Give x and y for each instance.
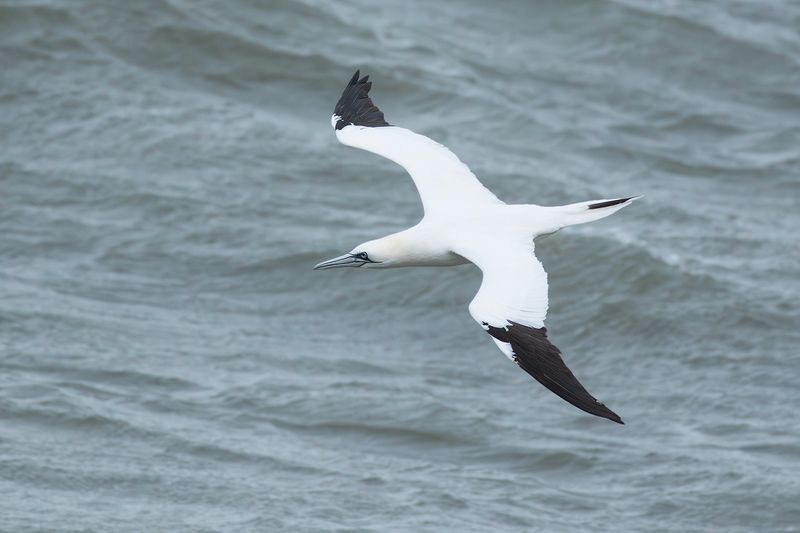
(511, 306)
(444, 183)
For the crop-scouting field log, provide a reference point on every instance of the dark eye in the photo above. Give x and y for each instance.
(363, 255)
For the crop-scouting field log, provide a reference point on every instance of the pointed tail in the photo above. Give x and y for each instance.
(584, 212)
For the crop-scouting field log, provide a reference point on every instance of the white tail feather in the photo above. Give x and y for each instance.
(584, 212)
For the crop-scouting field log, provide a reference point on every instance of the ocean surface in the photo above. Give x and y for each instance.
(170, 362)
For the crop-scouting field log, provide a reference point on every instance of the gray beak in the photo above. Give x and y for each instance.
(346, 260)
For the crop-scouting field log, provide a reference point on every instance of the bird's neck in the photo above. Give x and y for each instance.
(418, 247)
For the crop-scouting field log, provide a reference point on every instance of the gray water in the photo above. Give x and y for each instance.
(170, 362)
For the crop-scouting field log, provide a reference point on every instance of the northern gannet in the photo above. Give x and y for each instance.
(464, 222)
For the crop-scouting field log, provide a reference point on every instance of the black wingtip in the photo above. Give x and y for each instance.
(602, 411)
(615, 417)
(355, 106)
(605, 412)
(537, 356)
(610, 203)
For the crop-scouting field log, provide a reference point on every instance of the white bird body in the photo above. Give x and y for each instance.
(465, 222)
(434, 240)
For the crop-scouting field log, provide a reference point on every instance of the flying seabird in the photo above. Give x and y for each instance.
(464, 222)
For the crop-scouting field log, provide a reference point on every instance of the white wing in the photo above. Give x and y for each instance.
(511, 306)
(444, 183)
(514, 287)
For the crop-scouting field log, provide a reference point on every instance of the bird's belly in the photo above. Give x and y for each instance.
(439, 259)
(446, 259)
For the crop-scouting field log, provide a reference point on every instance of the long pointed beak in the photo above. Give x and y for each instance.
(346, 260)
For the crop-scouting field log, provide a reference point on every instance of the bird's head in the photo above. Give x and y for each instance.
(380, 253)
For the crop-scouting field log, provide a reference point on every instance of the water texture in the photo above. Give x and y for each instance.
(170, 362)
